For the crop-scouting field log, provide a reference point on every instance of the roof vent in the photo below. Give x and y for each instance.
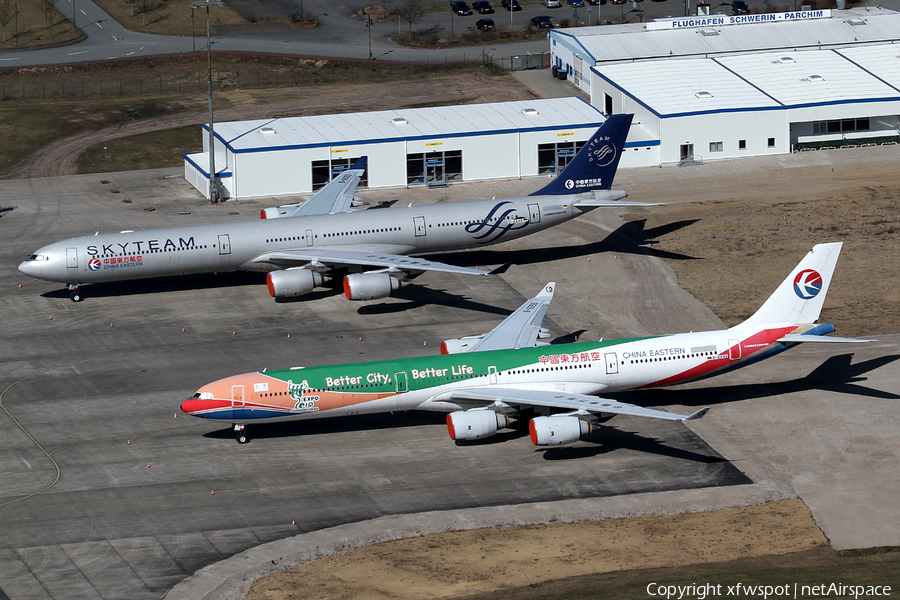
(703, 94)
(709, 32)
(815, 78)
(786, 60)
(267, 131)
(856, 21)
(399, 121)
(530, 112)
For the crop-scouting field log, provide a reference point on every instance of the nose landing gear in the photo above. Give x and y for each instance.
(75, 294)
(240, 433)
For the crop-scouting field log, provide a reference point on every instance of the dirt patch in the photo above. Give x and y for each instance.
(761, 224)
(58, 157)
(455, 564)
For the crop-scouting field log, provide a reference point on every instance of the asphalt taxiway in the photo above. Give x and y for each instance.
(111, 492)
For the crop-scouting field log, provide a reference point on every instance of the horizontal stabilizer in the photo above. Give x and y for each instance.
(793, 337)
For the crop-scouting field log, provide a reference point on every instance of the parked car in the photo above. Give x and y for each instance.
(596, 2)
(551, 3)
(542, 22)
(575, 3)
(510, 4)
(460, 8)
(484, 24)
(482, 7)
(739, 7)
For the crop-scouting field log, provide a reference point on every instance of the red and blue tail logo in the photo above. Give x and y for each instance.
(807, 284)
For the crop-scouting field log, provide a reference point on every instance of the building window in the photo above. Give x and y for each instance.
(553, 158)
(844, 125)
(771, 142)
(434, 168)
(608, 105)
(324, 171)
(742, 144)
(715, 146)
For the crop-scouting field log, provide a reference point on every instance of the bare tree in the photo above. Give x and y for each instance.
(48, 8)
(7, 12)
(411, 11)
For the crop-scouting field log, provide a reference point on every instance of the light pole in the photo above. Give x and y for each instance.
(369, 29)
(193, 33)
(213, 179)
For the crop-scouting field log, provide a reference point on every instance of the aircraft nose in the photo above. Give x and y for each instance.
(30, 268)
(208, 408)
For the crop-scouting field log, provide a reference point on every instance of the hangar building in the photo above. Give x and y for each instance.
(407, 147)
(719, 87)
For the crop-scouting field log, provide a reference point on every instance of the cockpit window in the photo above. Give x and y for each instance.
(197, 395)
(39, 257)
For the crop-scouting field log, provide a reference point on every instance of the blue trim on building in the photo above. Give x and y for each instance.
(408, 139)
(202, 170)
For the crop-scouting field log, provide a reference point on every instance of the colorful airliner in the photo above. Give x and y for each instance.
(300, 246)
(484, 381)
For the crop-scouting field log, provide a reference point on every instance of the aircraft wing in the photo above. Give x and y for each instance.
(521, 328)
(576, 402)
(336, 196)
(338, 258)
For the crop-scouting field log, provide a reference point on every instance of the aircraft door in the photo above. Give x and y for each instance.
(534, 213)
(309, 237)
(612, 363)
(224, 244)
(492, 375)
(734, 349)
(71, 258)
(237, 401)
(419, 223)
(400, 379)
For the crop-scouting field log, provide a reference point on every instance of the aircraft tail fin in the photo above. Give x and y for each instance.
(800, 296)
(594, 167)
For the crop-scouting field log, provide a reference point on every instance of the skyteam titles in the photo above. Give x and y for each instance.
(141, 246)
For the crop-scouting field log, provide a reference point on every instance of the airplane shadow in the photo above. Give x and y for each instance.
(836, 374)
(165, 284)
(609, 439)
(417, 296)
(356, 423)
(630, 238)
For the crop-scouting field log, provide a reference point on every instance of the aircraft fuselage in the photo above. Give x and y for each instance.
(234, 246)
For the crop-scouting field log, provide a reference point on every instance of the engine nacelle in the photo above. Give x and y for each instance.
(293, 282)
(475, 424)
(370, 286)
(555, 431)
(456, 346)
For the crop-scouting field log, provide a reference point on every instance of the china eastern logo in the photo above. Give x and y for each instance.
(807, 284)
(94, 264)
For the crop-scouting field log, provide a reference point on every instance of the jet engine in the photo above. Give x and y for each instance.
(275, 212)
(292, 282)
(475, 424)
(555, 431)
(370, 286)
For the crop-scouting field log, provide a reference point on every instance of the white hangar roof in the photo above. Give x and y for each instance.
(765, 81)
(408, 124)
(640, 41)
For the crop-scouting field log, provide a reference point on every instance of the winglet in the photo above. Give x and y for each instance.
(697, 415)
(548, 290)
(360, 163)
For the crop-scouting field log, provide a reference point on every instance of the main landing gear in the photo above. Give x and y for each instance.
(240, 433)
(75, 294)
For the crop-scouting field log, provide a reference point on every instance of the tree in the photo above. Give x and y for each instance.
(7, 13)
(411, 11)
(48, 8)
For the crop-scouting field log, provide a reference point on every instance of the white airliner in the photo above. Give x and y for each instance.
(484, 381)
(299, 246)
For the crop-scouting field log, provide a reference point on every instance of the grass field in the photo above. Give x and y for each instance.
(37, 24)
(145, 151)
